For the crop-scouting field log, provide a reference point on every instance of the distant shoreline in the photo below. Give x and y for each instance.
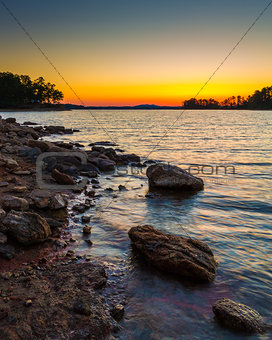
(69, 107)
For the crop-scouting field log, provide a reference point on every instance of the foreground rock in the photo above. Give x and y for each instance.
(185, 257)
(57, 301)
(165, 176)
(26, 227)
(238, 317)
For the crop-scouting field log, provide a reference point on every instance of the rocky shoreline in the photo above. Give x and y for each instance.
(46, 292)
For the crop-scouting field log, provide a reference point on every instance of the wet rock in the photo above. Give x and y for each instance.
(10, 120)
(29, 123)
(165, 176)
(14, 203)
(182, 256)
(79, 208)
(117, 312)
(85, 219)
(238, 317)
(58, 201)
(62, 178)
(3, 184)
(87, 229)
(90, 193)
(7, 251)
(122, 187)
(106, 165)
(89, 242)
(103, 143)
(26, 227)
(132, 158)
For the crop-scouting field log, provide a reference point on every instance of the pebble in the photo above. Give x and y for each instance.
(28, 303)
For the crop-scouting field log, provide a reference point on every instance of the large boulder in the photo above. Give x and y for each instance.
(165, 176)
(26, 227)
(10, 202)
(183, 256)
(238, 317)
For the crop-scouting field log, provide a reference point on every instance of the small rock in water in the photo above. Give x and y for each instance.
(238, 317)
(85, 219)
(122, 187)
(87, 229)
(89, 242)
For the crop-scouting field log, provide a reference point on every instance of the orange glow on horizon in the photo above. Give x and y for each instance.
(168, 95)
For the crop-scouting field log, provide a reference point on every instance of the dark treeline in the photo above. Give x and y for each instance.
(19, 91)
(259, 100)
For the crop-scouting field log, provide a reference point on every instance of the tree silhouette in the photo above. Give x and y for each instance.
(16, 90)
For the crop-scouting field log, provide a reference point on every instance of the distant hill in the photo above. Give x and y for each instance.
(136, 107)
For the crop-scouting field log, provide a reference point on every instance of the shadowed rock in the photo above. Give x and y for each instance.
(165, 176)
(27, 228)
(62, 178)
(238, 317)
(183, 256)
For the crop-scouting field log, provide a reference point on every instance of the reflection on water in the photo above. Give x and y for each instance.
(232, 214)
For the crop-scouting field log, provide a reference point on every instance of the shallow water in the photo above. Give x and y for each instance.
(233, 214)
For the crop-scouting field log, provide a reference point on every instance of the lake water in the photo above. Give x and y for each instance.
(233, 215)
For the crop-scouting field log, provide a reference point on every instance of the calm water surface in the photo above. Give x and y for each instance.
(233, 214)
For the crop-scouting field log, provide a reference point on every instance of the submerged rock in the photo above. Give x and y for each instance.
(165, 176)
(26, 227)
(238, 317)
(183, 256)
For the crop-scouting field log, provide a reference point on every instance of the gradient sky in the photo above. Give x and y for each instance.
(134, 52)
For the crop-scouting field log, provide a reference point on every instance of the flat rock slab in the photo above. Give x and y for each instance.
(239, 317)
(183, 256)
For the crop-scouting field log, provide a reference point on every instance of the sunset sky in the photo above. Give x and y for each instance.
(135, 52)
